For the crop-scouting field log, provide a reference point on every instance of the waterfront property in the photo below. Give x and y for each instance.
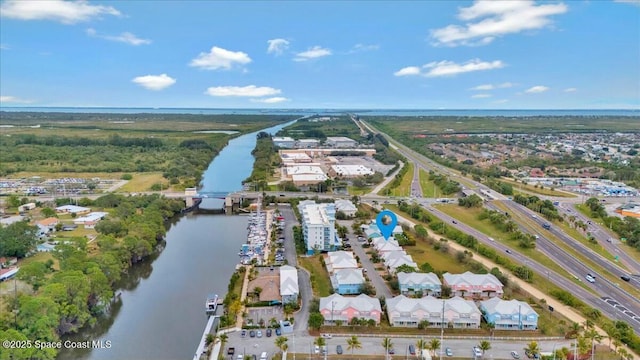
(345, 308)
(347, 281)
(318, 226)
(476, 286)
(289, 288)
(435, 313)
(509, 315)
(419, 283)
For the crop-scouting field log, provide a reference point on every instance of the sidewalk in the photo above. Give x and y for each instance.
(386, 180)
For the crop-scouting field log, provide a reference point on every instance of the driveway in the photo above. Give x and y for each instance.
(376, 280)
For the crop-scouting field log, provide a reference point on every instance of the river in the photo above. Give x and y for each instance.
(160, 312)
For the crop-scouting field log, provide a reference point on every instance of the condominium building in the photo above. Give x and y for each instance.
(318, 226)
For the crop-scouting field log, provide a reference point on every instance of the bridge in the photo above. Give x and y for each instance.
(212, 195)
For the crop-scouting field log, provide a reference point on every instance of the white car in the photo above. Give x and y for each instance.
(316, 350)
(590, 278)
(326, 336)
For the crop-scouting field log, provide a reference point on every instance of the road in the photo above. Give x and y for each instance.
(569, 262)
(376, 280)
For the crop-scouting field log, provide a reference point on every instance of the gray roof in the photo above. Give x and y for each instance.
(288, 280)
(507, 307)
(418, 278)
(471, 279)
(349, 276)
(361, 303)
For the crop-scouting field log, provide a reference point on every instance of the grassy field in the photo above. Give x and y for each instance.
(404, 189)
(429, 188)
(357, 190)
(319, 277)
(537, 190)
(143, 182)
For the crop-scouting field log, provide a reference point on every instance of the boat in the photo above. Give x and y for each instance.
(211, 304)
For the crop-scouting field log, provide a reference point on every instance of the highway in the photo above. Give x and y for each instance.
(628, 309)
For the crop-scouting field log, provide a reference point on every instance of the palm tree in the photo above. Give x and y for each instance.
(492, 327)
(421, 344)
(387, 344)
(353, 343)
(623, 353)
(281, 343)
(532, 348)
(320, 342)
(576, 328)
(484, 346)
(434, 345)
(223, 338)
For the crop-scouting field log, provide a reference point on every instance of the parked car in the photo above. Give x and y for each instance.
(278, 332)
(515, 355)
(244, 333)
(448, 351)
(326, 336)
(391, 351)
(252, 333)
(269, 332)
(316, 349)
(325, 350)
(412, 350)
(339, 349)
(259, 334)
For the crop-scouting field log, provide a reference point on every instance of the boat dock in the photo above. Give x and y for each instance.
(202, 347)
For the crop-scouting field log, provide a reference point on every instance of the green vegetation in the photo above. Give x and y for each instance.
(67, 299)
(429, 188)
(312, 128)
(544, 207)
(318, 274)
(178, 146)
(17, 239)
(446, 185)
(266, 161)
(401, 184)
(535, 189)
(627, 228)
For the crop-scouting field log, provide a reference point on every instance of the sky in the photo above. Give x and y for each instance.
(303, 54)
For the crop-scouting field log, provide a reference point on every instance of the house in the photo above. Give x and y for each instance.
(289, 284)
(338, 260)
(26, 207)
(342, 308)
(318, 226)
(372, 230)
(72, 209)
(419, 283)
(509, 315)
(470, 285)
(387, 246)
(90, 220)
(8, 273)
(395, 259)
(346, 207)
(340, 142)
(451, 313)
(47, 225)
(7, 262)
(347, 281)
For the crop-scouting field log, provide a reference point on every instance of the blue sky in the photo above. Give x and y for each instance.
(379, 54)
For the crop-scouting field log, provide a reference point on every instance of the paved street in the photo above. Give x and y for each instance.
(376, 280)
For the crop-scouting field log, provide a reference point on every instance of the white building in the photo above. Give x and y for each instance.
(346, 206)
(289, 284)
(318, 226)
(350, 171)
(458, 313)
(90, 220)
(308, 143)
(337, 260)
(395, 259)
(305, 174)
(477, 286)
(341, 142)
(284, 142)
(347, 281)
(290, 157)
(72, 209)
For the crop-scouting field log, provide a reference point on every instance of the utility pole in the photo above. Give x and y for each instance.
(442, 330)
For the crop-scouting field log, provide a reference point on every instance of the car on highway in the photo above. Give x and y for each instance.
(590, 278)
(515, 355)
(453, 221)
(625, 277)
(491, 239)
(508, 251)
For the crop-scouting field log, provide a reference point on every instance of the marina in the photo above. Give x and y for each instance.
(256, 249)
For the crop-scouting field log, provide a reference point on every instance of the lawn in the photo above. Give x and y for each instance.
(429, 188)
(40, 256)
(404, 188)
(536, 190)
(143, 182)
(358, 191)
(319, 277)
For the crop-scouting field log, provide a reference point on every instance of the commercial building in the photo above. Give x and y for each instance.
(308, 143)
(340, 142)
(509, 315)
(342, 308)
(302, 175)
(72, 209)
(318, 226)
(284, 142)
(350, 171)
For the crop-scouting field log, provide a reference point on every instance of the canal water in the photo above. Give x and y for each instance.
(160, 312)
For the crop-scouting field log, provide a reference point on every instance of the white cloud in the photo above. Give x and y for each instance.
(364, 47)
(277, 46)
(494, 19)
(249, 91)
(409, 70)
(219, 58)
(271, 100)
(572, 89)
(4, 47)
(481, 96)
(312, 53)
(13, 100)
(631, 2)
(154, 82)
(449, 68)
(66, 12)
(536, 89)
(486, 87)
(500, 101)
(125, 37)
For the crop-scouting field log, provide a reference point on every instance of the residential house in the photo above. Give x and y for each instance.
(338, 260)
(346, 207)
(451, 313)
(395, 259)
(476, 286)
(342, 308)
(46, 226)
(509, 315)
(289, 289)
(419, 283)
(72, 209)
(7, 262)
(347, 281)
(90, 220)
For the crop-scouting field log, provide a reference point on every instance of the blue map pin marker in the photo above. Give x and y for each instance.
(386, 221)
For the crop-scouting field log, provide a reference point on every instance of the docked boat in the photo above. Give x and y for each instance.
(211, 304)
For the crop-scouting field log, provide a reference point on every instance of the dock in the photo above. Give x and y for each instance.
(202, 347)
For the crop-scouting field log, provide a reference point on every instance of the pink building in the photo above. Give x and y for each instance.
(344, 308)
(475, 286)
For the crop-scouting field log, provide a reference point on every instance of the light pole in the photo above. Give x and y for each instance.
(442, 330)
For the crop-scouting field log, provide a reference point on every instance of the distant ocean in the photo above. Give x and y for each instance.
(362, 112)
